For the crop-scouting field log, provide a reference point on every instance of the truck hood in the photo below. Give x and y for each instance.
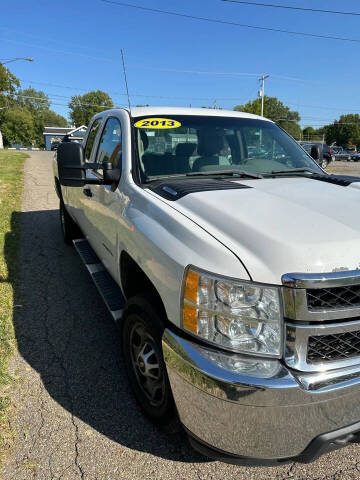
(282, 225)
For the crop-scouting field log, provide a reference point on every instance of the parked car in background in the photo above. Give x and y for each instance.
(355, 157)
(54, 145)
(341, 153)
(326, 153)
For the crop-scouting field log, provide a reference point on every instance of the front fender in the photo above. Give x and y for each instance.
(164, 242)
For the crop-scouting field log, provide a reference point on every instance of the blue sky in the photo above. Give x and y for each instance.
(76, 47)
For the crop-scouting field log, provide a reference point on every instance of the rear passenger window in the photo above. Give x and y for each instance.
(110, 145)
(91, 139)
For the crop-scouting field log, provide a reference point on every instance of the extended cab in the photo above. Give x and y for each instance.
(230, 261)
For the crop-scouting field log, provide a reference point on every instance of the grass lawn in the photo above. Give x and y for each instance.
(11, 187)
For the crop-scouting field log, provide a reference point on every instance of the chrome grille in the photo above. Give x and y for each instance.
(333, 298)
(322, 313)
(316, 347)
(333, 347)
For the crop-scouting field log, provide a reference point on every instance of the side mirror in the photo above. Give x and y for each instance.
(72, 167)
(71, 162)
(315, 152)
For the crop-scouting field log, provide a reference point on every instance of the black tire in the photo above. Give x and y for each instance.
(142, 329)
(69, 228)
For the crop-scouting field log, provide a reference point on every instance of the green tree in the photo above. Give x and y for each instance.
(37, 103)
(8, 86)
(52, 119)
(18, 127)
(26, 112)
(84, 107)
(345, 131)
(46, 118)
(33, 100)
(8, 82)
(275, 110)
(314, 134)
(308, 133)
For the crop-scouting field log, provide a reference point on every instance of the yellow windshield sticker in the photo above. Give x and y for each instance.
(157, 123)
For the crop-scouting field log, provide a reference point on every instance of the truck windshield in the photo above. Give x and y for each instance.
(177, 145)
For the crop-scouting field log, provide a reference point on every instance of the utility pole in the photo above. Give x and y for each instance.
(261, 92)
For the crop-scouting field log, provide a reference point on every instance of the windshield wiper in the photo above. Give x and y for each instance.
(163, 177)
(232, 172)
(292, 170)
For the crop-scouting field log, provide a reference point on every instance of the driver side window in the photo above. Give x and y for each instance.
(91, 139)
(110, 145)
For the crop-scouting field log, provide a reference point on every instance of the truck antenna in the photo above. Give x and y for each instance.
(126, 83)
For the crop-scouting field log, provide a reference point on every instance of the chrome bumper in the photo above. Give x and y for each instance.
(256, 408)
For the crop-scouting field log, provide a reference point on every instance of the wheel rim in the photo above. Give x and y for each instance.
(146, 363)
(324, 164)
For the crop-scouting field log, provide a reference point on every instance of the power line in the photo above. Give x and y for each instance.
(107, 59)
(49, 99)
(187, 98)
(197, 72)
(49, 49)
(52, 102)
(205, 72)
(288, 7)
(322, 107)
(340, 123)
(227, 22)
(47, 39)
(161, 69)
(165, 97)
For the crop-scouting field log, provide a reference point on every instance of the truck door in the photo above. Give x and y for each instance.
(79, 198)
(106, 200)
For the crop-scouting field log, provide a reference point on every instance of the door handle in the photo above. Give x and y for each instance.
(87, 192)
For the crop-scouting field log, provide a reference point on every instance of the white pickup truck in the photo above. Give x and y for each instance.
(230, 261)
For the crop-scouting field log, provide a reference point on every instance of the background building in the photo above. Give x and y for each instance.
(56, 134)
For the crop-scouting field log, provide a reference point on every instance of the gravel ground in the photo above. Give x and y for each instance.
(75, 417)
(345, 168)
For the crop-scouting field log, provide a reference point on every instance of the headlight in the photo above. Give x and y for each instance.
(238, 316)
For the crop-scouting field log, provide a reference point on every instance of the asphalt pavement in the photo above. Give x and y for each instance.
(74, 414)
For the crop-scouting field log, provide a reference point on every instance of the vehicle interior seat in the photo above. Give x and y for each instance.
(158, 164)
(183, 153)
(209, 150)
(154, 164)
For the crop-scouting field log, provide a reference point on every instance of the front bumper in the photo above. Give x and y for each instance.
(242, 406)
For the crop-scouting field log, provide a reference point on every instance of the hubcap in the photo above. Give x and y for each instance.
(146, 363)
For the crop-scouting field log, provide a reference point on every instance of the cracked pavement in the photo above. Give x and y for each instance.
(74, 415)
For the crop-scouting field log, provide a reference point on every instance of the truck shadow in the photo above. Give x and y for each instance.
(65, 333)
